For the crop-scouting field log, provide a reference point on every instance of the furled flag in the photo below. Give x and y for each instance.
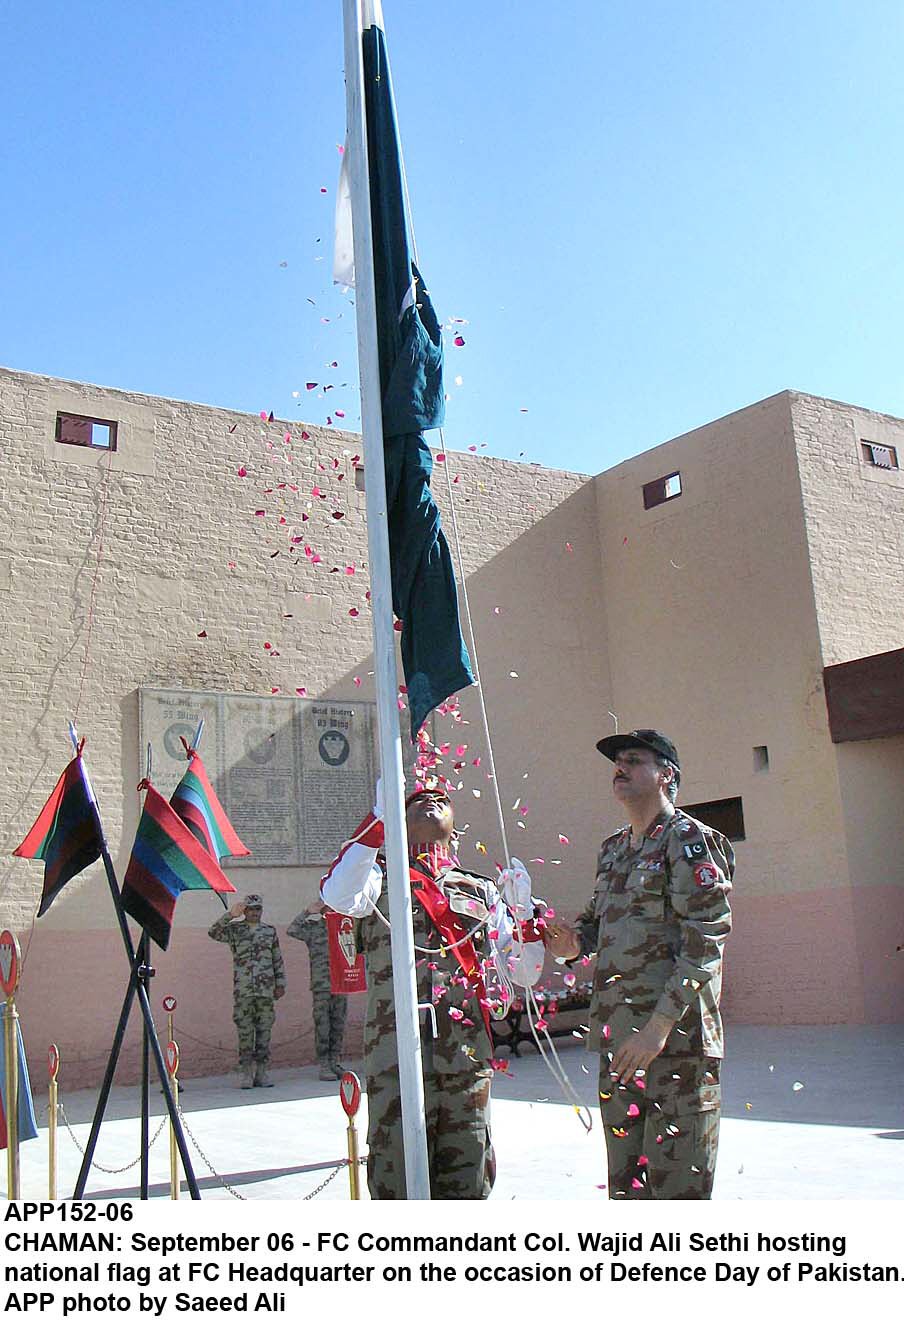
(28, 1126)
(409, 341)
(65, 835)
(198, 805)
(166, 861)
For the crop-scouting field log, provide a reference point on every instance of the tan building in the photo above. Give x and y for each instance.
(703, 587)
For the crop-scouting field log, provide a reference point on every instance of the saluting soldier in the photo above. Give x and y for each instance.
(329, 1009)
(258, 980)
(658, 920)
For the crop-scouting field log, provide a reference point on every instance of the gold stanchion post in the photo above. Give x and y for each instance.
(53, 1069)
(350, 1098)
(9, 980)
(172, 1066)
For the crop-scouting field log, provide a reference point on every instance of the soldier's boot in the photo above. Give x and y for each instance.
(326, 1071)
(262, 1077)
(246, 1081)
(337, 1069)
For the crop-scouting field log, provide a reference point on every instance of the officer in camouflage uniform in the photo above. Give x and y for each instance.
(329, 1009)
(258, 979)
(454, 979)
(657, 920)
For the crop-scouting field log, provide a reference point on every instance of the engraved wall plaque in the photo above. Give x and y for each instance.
(295, 776)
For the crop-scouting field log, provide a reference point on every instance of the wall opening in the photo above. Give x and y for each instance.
(79, 430)
(661, 489)
(726, 816)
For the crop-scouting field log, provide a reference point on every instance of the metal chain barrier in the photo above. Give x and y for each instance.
(343, 1163)
(112, 1172)
(211, 1169)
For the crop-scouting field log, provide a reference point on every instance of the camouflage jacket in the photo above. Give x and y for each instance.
(257, 963)
(462, 1043)
(658, 920)
(311, 929)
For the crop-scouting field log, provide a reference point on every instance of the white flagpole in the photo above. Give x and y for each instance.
(408, 1039)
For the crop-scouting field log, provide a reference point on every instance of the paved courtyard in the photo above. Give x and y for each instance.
(810, 1113)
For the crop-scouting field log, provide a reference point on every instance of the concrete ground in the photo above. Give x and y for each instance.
(810, 1113)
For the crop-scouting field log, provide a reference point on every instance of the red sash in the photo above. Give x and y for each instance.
(452, 929)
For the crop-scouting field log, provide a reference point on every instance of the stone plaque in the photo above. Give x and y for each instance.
(295, 776)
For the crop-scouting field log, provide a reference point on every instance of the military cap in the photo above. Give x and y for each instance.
(252, 900)
(643, 738)
(428, 790)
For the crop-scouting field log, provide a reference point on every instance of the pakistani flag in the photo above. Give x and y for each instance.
(434, 656)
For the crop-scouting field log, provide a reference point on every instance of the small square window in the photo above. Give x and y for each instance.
(78, 430)
(661, 489)
(883, 457)
(359, 477)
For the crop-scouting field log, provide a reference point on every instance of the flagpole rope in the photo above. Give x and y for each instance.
(89, 619)
(554, 1066)
(485, 721)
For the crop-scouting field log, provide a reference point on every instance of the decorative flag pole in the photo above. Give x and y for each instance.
(135, 988)
(357, 15)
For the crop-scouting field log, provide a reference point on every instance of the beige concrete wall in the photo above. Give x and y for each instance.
(713, 637)
(871, 774)
(854, 515)
(699, 616)
(183, 551)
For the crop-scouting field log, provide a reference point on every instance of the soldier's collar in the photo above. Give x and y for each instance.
(432, 857)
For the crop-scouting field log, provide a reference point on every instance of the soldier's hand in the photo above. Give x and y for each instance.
(236, 911)
(638, 1050)
(561, 941)
(278, 992)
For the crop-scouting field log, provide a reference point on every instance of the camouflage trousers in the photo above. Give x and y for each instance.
(662, 1139)
(329, 1026)
(254, 1019)
(460, 1155)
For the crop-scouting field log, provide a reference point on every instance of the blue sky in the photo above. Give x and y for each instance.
(650, 213)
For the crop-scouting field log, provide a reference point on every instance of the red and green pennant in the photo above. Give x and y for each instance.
(197, 804)
(167, 859)
(65, 835)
